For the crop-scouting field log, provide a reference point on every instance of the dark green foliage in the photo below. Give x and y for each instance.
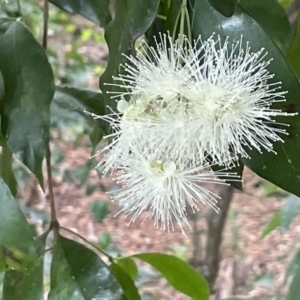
(17, 247)
(225, 7)
(28, 286)
(95, 10)
(78, 273)
(125, 281)
(29, 89)
(276, 25)
(132, 19)
(193, 285)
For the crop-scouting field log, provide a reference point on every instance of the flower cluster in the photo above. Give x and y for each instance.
(185, 108)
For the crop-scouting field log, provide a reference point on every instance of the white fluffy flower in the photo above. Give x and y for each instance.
(230, 96)
(187, 104)
(208, 99)
(164, 188)
(156, 73)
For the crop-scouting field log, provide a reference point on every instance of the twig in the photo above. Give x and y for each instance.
(45, 29)
(54, 223)
(215, 223)
(19, 8)
(111, 259)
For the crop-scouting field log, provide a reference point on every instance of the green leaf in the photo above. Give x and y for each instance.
(81, 174)
(77, 273)
(18, 285)
(5, 23)
(93, 10)
(95, 137)
(282, 169)
(293, 266)
(132, 19)
(265, 280)
(104, 240)
(271, 189)
(225, 7)
(172, 14)
(272, 224)
(29, 89)
(294, 289)
(2, 87)
(293, 52)
(290, 210)
(129, 266)
(125, 281)
(285, 3)
(2, 90)
(17, 248)
(100, 209)
(82, 101)
(6, 170)
(178, 273)
(276, 24)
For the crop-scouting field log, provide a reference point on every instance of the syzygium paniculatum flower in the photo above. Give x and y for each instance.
(187, 103)
(163, 186)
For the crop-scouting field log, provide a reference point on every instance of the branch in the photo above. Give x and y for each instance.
(54, 223)
(215, 224)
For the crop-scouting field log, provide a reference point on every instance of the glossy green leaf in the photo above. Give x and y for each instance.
(6, 170)
(29, 89)
(294, 50)
(225, 7)
(17, 246)
(77, 273)
(125, 281)
(276, 24)
(272, 224)
(129, 266)
(178, 273)
(5, 23)
(18, 285)
(290, 210)
(132, 19)
(96, 11)
(282, 169)
(82, 101)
